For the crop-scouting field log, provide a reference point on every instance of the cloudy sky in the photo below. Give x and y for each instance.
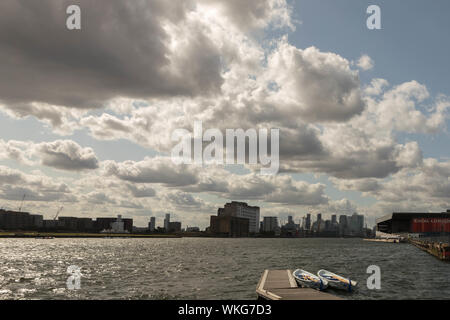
(86, 116)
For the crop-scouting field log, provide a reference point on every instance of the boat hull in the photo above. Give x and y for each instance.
(336, 281)
(306, 279)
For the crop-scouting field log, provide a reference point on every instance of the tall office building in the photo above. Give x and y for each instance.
(343, 221)
(308, 222)
(320, 224)
(242, 210)
(327, 225)
(356, 223)
(359, 223)
(167, 222)
(333, 219)
(343, 225)
(152, 224)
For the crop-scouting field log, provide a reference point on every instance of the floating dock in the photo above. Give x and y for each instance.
(281, 285)
(437, 249)
(386, 240)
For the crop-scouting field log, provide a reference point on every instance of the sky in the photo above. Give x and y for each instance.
(86, 116)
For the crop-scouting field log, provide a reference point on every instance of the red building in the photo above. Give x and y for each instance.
(415, 222)
(430, 225)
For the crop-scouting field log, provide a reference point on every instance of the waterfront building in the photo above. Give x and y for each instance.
(270, 224)
(85, 224)
(50, 224)
(37, 221)
(140, 229)
(118, 225)
(242, 210)
(427, 223)
(105, 224)
(68, 223)
(174, 227)
(229, 226)
(14, 220)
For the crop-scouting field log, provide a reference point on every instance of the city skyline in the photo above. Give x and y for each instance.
(251, 213)
(86, 121)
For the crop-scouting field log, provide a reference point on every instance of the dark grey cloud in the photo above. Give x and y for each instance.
(122, 50)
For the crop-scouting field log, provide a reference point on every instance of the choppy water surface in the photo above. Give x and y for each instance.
(202, 268)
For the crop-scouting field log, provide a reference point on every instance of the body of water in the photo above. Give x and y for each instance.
(208, 268)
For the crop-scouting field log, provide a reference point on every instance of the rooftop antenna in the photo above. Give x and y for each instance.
(21, 204)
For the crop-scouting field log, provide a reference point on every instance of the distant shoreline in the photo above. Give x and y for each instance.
(48, 235)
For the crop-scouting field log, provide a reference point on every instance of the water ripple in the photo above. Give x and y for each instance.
(196, 268)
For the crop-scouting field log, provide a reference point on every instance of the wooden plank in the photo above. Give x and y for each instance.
(262, 292)
(277, 279)
(292, 279)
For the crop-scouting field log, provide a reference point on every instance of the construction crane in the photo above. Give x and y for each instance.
(58, 212)
(21, 204)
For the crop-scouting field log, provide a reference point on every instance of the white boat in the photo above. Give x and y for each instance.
(337, 281)
(307, 279)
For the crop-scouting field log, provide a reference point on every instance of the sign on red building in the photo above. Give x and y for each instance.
(422, 225)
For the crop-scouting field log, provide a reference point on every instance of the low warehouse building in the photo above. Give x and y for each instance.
(415, 222)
